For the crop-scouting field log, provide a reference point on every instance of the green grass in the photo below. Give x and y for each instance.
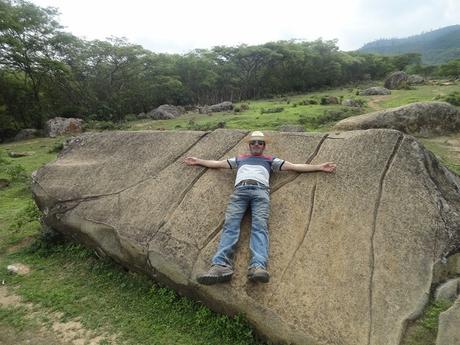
(424, 330)
(442, 152)
(102, 295)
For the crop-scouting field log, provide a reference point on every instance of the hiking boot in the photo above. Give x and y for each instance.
(216, 274)
(258, 274)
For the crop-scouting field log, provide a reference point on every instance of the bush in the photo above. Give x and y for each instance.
(244, 107)
(16, 173)
(309, 101)
(57, 147)
(453, 98)
(271, 110)
(103, 125)
(207, 126)
(27, 215)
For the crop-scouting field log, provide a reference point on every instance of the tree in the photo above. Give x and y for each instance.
(28, 44)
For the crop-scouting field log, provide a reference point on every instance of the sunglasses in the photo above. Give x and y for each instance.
(257, 142)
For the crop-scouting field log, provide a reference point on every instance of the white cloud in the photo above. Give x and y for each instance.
(180, 25)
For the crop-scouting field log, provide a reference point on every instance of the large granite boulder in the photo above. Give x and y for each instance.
(352, 253)
(397, 80)
(422, 118)
(62, 125)
(375, 90)
(165, 112)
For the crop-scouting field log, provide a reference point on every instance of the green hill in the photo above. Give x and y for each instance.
(436, 47)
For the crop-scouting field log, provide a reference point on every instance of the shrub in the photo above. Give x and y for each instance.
(103, 125)
(453, 98)
(57, 147)
(17, 173)
(27, 215)
(309, 101)
(237, 109)
(244, 107)
(207, 126)
(271, 110)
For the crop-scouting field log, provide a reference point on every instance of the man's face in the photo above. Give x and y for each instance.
(256, 147)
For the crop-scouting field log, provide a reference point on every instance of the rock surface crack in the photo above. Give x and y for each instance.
(374, 226)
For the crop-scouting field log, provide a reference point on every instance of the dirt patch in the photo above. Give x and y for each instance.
(374, 102)
(52, 332)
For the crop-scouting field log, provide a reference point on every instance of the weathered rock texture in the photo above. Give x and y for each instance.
(375, 90)
(423, 118)
(61, 125)
(396, 80)
(165, 112)
(449, 330)
(352, 253)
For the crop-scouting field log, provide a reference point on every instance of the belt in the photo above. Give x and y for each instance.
(250, 183)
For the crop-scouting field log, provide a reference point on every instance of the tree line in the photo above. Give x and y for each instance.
(47, 72)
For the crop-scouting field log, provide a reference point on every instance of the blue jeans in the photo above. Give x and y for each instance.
(257, 198)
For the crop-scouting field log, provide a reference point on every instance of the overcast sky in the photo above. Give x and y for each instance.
(178, 26)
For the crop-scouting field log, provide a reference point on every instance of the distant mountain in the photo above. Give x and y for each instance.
(436, 47)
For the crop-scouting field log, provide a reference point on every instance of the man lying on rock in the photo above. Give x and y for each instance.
(251, 190)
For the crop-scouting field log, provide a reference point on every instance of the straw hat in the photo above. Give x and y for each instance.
(257, 135)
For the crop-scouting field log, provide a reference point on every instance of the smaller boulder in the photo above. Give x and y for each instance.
(18, 268)
(351, 103)
(415, 79)
(224, 106)
(27, 133)
(204, 110)
(14, 154)
(448, 291)
(165, 112)
(396, 81)
(375, 90)
(61, 125)
(329, 100)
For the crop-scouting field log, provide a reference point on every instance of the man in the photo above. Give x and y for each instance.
(251, 190)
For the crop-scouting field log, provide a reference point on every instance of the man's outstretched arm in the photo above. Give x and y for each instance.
(223, 164)
(324, 167)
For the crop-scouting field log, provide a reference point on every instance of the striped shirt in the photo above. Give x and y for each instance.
(250, 167)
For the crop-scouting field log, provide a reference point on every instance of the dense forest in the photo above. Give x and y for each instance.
(435, 47)
(47, 72)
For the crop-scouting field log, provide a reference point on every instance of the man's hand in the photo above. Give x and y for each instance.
(207, 163)
(191, 161)
(328, 167)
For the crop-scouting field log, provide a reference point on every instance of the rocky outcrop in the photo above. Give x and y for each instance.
(351, 255)
(61, 126)
(396, 80)
(165, 112)
(449, 332)
(375, 90)
(422, 118)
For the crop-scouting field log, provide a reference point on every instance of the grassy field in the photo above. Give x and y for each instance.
(69, 283)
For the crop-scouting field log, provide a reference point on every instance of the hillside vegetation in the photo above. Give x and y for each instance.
(436, 47)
